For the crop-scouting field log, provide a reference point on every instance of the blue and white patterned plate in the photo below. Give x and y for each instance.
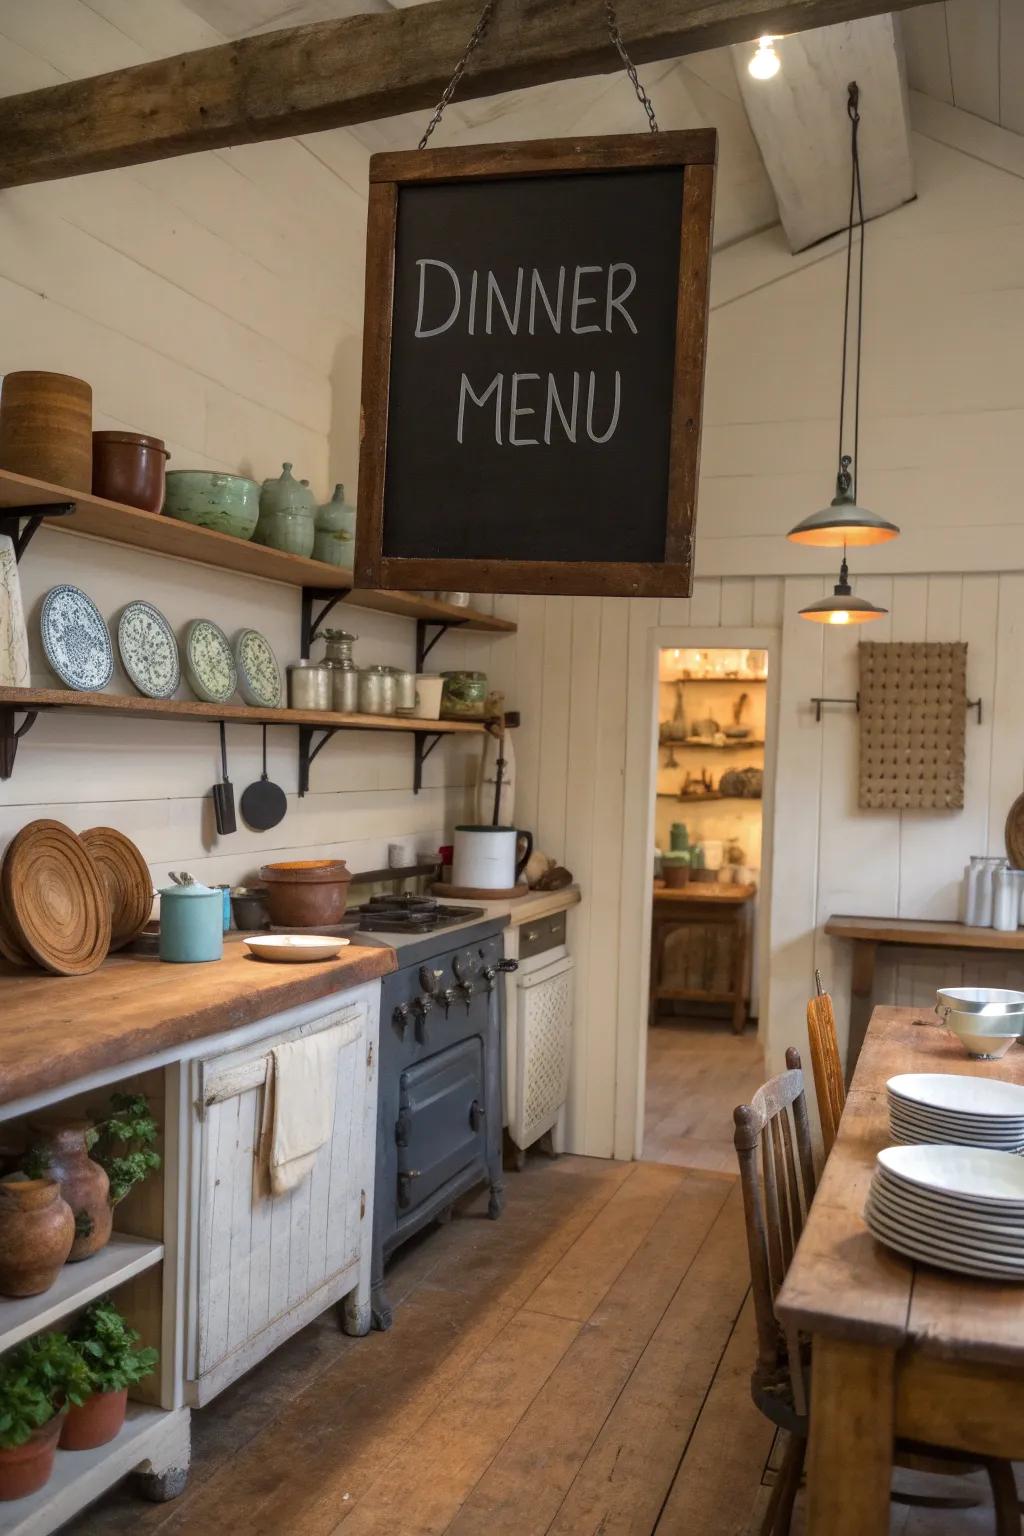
(76, 640)
(209, 664)
(259, 676)
(149, 651)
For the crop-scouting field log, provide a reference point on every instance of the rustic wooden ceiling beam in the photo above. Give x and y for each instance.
(333, 73)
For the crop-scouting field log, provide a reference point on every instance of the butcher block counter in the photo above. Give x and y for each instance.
(55, 1030)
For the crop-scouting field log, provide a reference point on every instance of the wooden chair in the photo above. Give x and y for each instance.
(773, 1145)
(825, 1063)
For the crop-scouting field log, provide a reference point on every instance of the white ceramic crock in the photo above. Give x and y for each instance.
(485, 857)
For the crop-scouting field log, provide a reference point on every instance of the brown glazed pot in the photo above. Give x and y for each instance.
(96, 1422)
(37, 1228)
(308, 893)
(675, 875)
(27, 1468)
(83, 1183)
(46, 428)
(129, 468)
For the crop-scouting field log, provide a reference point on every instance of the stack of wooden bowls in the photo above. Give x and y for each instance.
(67, 901)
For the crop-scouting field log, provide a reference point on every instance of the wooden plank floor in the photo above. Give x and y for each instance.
(697, 1072)
(579, 1368)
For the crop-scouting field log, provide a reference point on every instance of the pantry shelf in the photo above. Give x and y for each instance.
(693, 744)
(76, 1285)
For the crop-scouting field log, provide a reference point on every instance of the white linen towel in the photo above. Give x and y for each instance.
(298, 1106)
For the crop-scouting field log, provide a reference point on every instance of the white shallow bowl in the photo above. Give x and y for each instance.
(295, 948)
(968, 1173)
(959, 1093)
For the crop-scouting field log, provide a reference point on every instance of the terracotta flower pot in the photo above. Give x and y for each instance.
(37, 1229)
(26, 1468)
(96, 1422)
(83, 1183)
(675, 875)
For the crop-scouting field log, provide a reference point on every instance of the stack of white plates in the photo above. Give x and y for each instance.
(960, 1208)
(964, 1111)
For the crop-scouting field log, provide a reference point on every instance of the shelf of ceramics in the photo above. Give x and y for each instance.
(75, 1286)
(150, 531)
(699, 744)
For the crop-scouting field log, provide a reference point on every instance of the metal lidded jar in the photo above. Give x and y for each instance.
(405, 691)
(376, 691)
(309, 685)
(344, 672)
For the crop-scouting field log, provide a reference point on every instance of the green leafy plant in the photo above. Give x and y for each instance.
(36, 1379)
(123, 1143)
(108, 1349)
(35, 1163)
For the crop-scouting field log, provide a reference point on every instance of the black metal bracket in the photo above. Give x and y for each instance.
(329, 597)
(10, 735)
(975, 704)
(818, 702)
(307, 750)
(423, 743)
(11, 521)
(425, 646)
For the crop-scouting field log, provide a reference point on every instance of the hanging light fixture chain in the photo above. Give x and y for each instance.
(856, 206)
(476, 37)
(628, 65)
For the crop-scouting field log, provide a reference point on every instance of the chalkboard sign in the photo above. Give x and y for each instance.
(533, 363)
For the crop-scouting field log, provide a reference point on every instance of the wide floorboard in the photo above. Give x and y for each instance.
(697, 1072)
(578, 1368)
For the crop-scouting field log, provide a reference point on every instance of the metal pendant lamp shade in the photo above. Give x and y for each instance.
(842, 607)
(843, 523)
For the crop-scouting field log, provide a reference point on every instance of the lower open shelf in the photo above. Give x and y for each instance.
(155, 1434)
(75, 1286)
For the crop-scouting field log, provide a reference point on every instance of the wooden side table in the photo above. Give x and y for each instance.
(719, 918)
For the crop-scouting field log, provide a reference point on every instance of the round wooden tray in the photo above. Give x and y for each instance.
(126, 876)
(10, 947)
(55, 899)
(474, 893)
(1015, 833)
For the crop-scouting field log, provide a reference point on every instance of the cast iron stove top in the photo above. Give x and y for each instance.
(410, 914)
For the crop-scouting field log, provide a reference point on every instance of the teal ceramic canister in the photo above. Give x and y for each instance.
(287, 514)
(335, 540)
(191, 924)
(209, 499)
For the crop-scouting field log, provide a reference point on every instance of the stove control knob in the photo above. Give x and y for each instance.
(448, 997)
(421, 1007)
(400, 1017)
(430, 980)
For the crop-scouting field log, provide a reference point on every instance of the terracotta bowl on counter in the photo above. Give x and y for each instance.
(307, 893)
(129, 468)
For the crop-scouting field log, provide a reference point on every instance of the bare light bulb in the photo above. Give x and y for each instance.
(765, 63)
(839, 616)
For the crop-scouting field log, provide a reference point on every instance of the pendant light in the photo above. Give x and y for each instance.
(844, 523)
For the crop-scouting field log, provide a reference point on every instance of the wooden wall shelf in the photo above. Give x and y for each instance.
(160, 535)
(693, 745)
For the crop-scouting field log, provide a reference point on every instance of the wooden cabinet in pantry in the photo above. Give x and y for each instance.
(260, 1265)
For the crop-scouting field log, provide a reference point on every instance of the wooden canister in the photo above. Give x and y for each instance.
(46, 428)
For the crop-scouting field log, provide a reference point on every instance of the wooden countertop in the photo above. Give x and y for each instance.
(57, 1029)
(932, 935)
(705, 890)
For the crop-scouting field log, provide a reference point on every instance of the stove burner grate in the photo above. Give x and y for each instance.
(410, 914)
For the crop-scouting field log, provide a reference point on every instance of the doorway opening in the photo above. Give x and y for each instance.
(703, 1052)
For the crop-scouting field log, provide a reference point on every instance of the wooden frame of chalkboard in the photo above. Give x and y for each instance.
(413, 515)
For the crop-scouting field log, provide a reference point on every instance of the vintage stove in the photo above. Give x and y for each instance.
(439, 1116)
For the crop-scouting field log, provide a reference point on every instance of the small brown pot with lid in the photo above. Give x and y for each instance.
(307, 893)
(128, 467)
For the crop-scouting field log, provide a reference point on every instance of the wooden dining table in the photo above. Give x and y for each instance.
(897, 1348)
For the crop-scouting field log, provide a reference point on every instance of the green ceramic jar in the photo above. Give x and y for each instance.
(287, 514)
(209, 499)
(335, 530)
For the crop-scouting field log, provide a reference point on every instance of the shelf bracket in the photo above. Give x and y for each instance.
(11, 735)
(11, 521)
(308, 751)
(818, 702)
(975, 704)
(329, 597)
(423, 743)
(425, 646)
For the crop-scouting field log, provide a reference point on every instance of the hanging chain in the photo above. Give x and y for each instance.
(476, 37)
(627, 63)
(856, 203)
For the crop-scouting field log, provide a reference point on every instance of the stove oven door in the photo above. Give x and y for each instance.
(440, 1128)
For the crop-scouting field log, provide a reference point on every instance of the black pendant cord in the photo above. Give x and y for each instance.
(856, 205)
(476, 37)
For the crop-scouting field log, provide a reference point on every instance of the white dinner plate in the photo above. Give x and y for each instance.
(971, 1173)
(960, 1093)
(295, 948)
(994, 1126)
(965, 1262)
(910, 1209)
(960, 1135)
(999, 1210)
(910, 1107)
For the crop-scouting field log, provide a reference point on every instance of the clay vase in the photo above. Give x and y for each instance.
(25, 1469)
(83, 1183)
(46, 428)
(37, 1229)
(96, 1422)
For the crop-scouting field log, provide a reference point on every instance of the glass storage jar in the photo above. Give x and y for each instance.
(344, 672)
(464, 696)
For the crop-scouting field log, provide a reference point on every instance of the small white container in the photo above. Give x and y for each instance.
(714, 851)
(402, 853)
(429, 688)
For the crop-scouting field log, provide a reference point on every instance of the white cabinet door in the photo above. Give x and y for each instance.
(543, 1025)
(262, 1264)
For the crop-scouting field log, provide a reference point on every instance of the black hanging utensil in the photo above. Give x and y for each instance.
(223, 794)
(263, 804)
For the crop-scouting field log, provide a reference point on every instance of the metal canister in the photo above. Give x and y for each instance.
(405, 691)
(309, 685)
(376, 691)
(345, 689)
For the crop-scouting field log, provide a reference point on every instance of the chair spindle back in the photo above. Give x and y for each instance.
(829, 1087)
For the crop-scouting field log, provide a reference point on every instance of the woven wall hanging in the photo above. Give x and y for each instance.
(913, 702)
